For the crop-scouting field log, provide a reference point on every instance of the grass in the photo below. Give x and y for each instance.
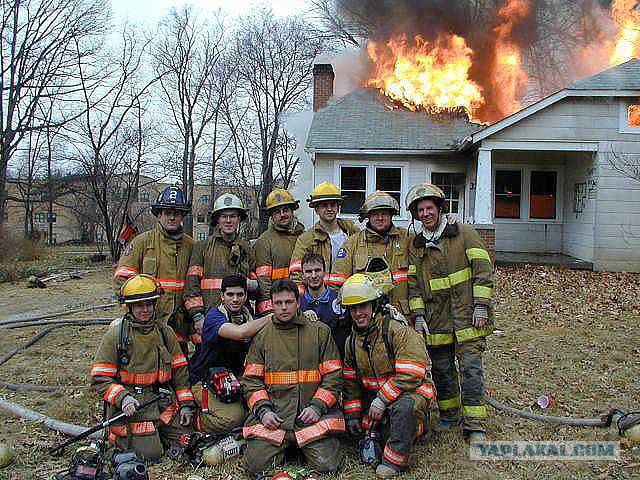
(573, 335)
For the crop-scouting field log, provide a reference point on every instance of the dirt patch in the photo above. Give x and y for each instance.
(573, 335)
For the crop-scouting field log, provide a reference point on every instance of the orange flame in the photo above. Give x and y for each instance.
(626, 15)
(426, 75)
(508, 77)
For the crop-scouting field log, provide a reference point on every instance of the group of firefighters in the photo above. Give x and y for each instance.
(329, 330)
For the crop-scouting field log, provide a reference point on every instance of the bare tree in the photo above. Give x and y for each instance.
(38, 57)
(275, 60)
(107, 143)
(189, 52)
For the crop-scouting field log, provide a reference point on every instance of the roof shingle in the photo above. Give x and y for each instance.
(625, 76)
(360, 120)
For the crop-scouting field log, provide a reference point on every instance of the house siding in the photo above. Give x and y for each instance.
(607, 229)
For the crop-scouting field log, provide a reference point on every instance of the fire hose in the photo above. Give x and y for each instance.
(628, 423)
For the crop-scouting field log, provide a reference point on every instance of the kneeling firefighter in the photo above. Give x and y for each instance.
(136, 358)
(388, 385)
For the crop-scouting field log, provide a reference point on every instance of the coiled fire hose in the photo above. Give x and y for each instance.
(628, 423)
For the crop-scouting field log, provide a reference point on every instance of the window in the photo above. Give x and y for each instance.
(633, 115)
(200, 218)
(452, 184)
(143, 196)
(99, 237)
(204, 199)
(542, 200)
(201, 236)
(40, 217)
(356, 182)
(353, 183)
(507, 196)
(52, 217)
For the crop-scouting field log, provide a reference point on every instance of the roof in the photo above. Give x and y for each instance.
(625, 76)
(361, 120)
(620, 81)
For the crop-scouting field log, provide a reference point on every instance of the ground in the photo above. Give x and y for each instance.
(573, 335)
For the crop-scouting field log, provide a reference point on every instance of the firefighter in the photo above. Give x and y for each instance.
(162, 252)
(323, 301)
(327, 235)
(222, 254)
(274, 247)
(387, 376)
(381, 248)
(226, 334)
(292, 383)
(136, 357)
(451, 294)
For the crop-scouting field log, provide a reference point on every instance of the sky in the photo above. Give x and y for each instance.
(151, 11)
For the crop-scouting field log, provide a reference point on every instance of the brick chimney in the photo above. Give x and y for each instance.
(322, 85)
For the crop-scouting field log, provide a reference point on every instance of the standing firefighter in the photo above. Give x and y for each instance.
(380, 249)
(292, 383)
(451, 293)
(327, 235)
(162, 252)
(386, 376)
(274, 247)
(223, 253)
(136, 357)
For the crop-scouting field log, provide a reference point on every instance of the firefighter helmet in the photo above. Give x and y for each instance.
(281, 198)
(140, 288)
(358, 289)
(325, 192)
(378, 201)
(227, 201)
(423, 191)
(170, 198)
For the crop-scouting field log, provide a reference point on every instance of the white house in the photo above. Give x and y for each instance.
(555, 177)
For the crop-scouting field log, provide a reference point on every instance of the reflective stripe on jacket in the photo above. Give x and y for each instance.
(155, 253)
(273, 251)
(447, 280)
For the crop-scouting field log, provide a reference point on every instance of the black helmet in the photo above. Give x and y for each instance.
(170, 198)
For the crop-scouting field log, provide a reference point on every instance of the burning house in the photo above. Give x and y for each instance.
(557, 176)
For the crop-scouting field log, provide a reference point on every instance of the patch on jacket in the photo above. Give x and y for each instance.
(337, 307)
(342, 253)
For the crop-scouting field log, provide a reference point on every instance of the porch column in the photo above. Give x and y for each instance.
(484, 205)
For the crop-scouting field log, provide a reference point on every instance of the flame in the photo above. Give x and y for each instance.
(634, 115)
(433, 76)
(626, 15)
(508, 77)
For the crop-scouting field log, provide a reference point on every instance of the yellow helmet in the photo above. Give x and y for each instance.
(378, 201)
(281, 198)
(325, 192)
(358, 289)
(422, 191)
(140, 288)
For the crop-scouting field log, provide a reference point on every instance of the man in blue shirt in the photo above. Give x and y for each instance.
(227, 331)
(322, 300)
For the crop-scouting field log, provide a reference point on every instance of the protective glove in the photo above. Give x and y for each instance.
(480, 315)
(311, 316)
(129, 405)
(198, 320)
(354, 427)
(252, 286)
(395, 314)
(376, 410)
(421, 325)
(186, 416)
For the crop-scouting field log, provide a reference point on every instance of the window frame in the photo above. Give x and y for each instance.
(201, 236)
(464, 199)
(525, 192)
(40, 217)
(371, 180)
(623, 111)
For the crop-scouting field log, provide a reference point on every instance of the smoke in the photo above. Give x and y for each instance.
(558, 40)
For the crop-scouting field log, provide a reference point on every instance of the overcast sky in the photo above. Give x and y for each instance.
(151, 11)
